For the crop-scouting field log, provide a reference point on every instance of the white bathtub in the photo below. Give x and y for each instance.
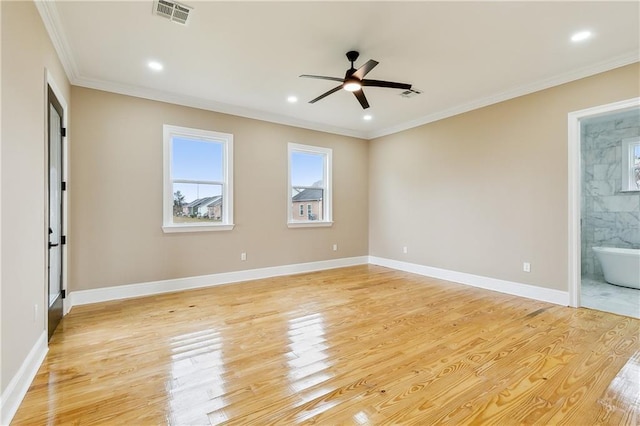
(620, 266)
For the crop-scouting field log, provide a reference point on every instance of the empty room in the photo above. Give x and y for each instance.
(358, 213)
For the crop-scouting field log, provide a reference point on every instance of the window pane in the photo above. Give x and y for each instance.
(307, 169)
(196, 160)
(307, 201)
(635, 177)
(197, 202)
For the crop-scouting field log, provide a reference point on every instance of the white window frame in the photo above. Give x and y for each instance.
(327, 217)
(169, 132)
(628, 179)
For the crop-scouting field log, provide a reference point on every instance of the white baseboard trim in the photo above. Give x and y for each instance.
(83, 297)
(19, 385)
(517, 289)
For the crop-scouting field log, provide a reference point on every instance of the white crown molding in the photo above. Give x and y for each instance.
(617, 62)
(17, 388)
(210, 105)
(51, 19)
(517, 289)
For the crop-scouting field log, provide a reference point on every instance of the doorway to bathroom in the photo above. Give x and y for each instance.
(603, 210)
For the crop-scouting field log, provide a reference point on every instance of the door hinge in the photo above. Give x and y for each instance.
(63, 132)
(63, 239)
(64, 294)
(64, 186)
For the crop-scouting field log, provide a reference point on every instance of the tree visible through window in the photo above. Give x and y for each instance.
(198, 186)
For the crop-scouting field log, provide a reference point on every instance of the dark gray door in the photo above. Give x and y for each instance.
(55, 212)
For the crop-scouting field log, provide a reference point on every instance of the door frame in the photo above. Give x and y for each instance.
(51, 83)
(574, 188)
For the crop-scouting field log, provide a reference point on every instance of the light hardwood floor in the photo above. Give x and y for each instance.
(358, 345)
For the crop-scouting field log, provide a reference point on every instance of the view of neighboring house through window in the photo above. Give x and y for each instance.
(309, 185)
(198, 180)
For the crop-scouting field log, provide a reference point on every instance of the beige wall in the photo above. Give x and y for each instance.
(116, 163)
(478, 193)
(485, 191)
(26, 52)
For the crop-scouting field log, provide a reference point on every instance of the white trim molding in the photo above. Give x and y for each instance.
(573, 188)
(19, 385)
(557, 297)
(84, 297)
(49, 13)
(536, 86)
(52, 22)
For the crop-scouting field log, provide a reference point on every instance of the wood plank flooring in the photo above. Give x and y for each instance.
(359, 345)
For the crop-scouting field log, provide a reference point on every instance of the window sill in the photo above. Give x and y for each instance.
(314, 224)
(169, 229)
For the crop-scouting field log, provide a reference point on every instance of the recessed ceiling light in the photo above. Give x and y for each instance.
(581, 36)
(155, 65)
(292, 99)
(367, 117)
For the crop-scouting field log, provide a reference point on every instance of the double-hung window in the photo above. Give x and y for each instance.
(198, 180)
(309, 202)
(631, 164)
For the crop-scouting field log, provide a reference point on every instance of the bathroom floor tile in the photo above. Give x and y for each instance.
(607, 297)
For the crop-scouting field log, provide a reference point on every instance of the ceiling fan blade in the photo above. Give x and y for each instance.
(390, 84)
(361, 98)
(325, 94)
(322, 77)
(363, 70)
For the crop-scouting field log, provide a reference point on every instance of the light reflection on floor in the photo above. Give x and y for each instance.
(624, 390)
(197, 371)
(310, 368)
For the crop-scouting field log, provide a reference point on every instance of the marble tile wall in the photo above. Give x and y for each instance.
(610, 218)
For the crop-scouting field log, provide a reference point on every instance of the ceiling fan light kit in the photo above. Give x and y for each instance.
(354, 80)
(352, 85)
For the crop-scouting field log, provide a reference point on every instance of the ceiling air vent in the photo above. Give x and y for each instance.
(171, 10)
(410, 93)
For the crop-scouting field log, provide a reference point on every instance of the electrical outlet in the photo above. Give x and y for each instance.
(526, 267)
(405, 250)
(243, 256)
(335, 247)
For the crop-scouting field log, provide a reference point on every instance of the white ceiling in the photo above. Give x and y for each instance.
(244, 58)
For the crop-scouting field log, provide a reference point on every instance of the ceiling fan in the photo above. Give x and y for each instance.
(354, 80)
